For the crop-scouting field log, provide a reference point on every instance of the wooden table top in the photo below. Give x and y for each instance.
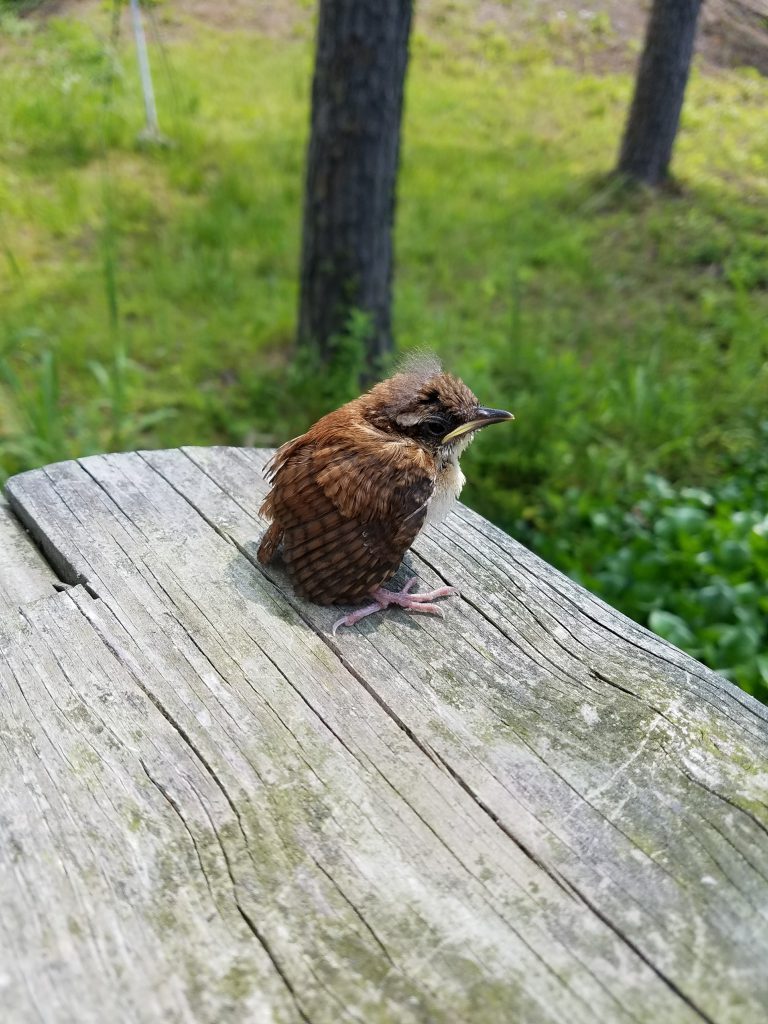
(212, 810)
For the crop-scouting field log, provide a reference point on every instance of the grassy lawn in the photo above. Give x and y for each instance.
(148, 296)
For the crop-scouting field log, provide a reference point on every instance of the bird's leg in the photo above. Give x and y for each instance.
(402, 598)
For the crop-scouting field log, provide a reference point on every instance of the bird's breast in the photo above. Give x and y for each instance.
(448, 485)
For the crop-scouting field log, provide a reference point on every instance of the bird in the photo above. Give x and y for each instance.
(349, 497)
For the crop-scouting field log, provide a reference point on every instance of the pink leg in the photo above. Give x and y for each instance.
(403, 598)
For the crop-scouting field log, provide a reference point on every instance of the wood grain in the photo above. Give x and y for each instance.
(532, 810)
(25, 576)
(116, 902)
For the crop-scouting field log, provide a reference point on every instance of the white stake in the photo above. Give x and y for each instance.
(152, 131)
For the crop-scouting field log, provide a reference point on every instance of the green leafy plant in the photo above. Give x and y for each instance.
(689, 562)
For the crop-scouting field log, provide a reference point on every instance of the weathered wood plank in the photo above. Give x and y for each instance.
(531, 810)
(615, 743)
(403, 864)
(116, 902)
(25, 576)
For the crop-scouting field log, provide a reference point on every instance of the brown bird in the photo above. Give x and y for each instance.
(350, 496)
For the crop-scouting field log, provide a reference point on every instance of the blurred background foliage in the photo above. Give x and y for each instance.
(148, 295)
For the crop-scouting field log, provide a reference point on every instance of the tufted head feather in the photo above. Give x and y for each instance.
(423, 402)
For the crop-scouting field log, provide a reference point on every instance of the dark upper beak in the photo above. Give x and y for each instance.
(483, 417)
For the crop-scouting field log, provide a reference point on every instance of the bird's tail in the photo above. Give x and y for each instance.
(269, 544)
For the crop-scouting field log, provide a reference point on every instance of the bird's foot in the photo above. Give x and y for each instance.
(402, 598)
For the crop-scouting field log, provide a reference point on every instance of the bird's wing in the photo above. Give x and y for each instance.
(348, 513)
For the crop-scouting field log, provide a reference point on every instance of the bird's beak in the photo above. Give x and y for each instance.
(483, 418)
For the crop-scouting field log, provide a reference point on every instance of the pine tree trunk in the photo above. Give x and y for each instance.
(646, 149)
(357, 102)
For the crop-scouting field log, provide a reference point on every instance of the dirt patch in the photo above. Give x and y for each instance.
(601, 35)
(277, 19)
(735, 33)
(607, 35)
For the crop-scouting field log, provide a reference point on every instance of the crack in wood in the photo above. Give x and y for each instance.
(177, 811)
(63, 569)
(687, 1000)
(631, 634)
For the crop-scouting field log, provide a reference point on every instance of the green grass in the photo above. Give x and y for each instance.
(148, 296)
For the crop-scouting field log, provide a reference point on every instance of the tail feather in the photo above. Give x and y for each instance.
(269, 544)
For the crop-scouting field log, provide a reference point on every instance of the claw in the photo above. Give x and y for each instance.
(428, 609)
(353, 617)
(414, 603)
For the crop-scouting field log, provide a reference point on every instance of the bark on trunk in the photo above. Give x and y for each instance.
(646, 149)
(357, 101)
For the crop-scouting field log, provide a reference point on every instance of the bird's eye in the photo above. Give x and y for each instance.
(435, 426)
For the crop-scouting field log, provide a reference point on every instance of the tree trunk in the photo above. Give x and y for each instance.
(646, 149)
(357, 102)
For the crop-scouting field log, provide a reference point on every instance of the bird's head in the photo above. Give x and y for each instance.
(433, 408)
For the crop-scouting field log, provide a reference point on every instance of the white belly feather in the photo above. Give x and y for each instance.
(450, 481)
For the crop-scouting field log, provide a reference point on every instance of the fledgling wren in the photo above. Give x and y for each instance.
(350, 496)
